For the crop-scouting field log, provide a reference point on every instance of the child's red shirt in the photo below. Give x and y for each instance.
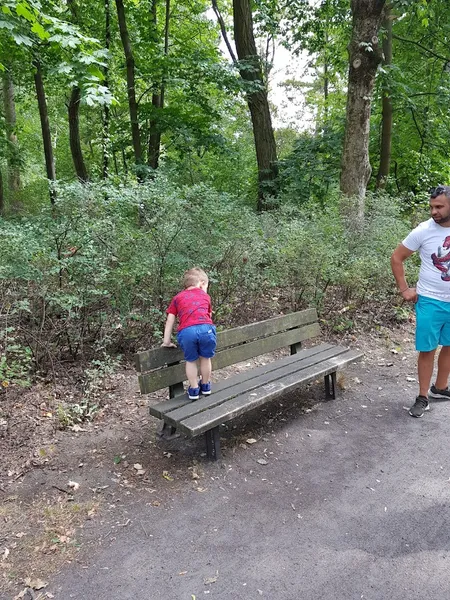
(192, 307)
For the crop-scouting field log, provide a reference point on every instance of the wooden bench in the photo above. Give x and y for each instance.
(164, 367)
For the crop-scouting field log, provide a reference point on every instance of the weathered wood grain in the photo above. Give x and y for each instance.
(150, 382)
(284, 371)
(159, 357)
(161, 408)
(238, 405)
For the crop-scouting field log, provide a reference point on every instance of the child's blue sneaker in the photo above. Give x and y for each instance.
(205, 388)
(193, 393)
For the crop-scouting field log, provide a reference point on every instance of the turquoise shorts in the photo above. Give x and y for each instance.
(432, 324)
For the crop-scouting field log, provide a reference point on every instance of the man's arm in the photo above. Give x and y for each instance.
(170, 322)
(400, 254)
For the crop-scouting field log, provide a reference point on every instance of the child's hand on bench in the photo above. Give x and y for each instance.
(168, 345)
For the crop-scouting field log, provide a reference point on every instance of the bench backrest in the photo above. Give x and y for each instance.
(164, 367)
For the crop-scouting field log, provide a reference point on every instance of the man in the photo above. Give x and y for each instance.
(431, 296)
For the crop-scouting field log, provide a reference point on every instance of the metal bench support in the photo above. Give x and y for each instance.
(330, 386)
(213, 444)
(168, 432)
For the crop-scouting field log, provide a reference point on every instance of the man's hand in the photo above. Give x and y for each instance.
(168, 345)
(410, 295)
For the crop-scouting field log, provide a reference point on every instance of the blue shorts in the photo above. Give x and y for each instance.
(197, 340)
(432, 324)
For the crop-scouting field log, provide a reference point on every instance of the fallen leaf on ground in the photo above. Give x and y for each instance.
(74, 485)
(77, 428)
(36, 584)
(167, 476)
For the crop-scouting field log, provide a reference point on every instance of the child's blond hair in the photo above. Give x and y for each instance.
(193, 277)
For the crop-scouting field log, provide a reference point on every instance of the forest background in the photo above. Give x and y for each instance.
(132, 147)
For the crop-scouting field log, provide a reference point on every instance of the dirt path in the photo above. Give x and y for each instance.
(110, 512)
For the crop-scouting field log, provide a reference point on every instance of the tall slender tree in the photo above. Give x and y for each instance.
(251, 71)
(387, 111)
(74, 135)
(12, 154)
(74, 116)
(106, 114)
(365, 55)
(131, 82)
(45, 128)
(158, 96)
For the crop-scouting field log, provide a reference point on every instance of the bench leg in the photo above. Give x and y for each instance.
(296, 348)
(176, 390)
(330, 386)
(213, 444)
(168, 432)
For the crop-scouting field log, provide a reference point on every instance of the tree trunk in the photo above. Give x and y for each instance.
(12, 154)
(154, 142)
(364, 58)
(250, 70)
(106, 117)
(2, 198)
(45, 127)
(131, 86)
(386, 123)
(74, 135)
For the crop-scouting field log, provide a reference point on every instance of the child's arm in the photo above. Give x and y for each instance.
(170, 322)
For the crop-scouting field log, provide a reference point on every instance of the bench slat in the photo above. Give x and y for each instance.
(150, 382)
(161, 408)
(283, 371)
(158, 357)
(206, 420)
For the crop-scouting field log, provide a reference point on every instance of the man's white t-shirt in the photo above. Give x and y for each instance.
(433, 242)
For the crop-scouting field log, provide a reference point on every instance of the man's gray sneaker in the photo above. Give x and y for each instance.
(436, 393)
(419, 407)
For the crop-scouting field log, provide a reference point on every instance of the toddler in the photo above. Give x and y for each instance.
(196, 333)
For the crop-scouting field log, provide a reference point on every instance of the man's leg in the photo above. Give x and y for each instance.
(425, 364)
(443, 368)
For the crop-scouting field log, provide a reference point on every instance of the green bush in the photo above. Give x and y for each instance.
(94, 273)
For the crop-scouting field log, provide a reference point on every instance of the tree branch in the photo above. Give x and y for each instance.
(402, 39)
(223, 29)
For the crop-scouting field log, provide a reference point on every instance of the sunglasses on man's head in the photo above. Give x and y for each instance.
(440, 189)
